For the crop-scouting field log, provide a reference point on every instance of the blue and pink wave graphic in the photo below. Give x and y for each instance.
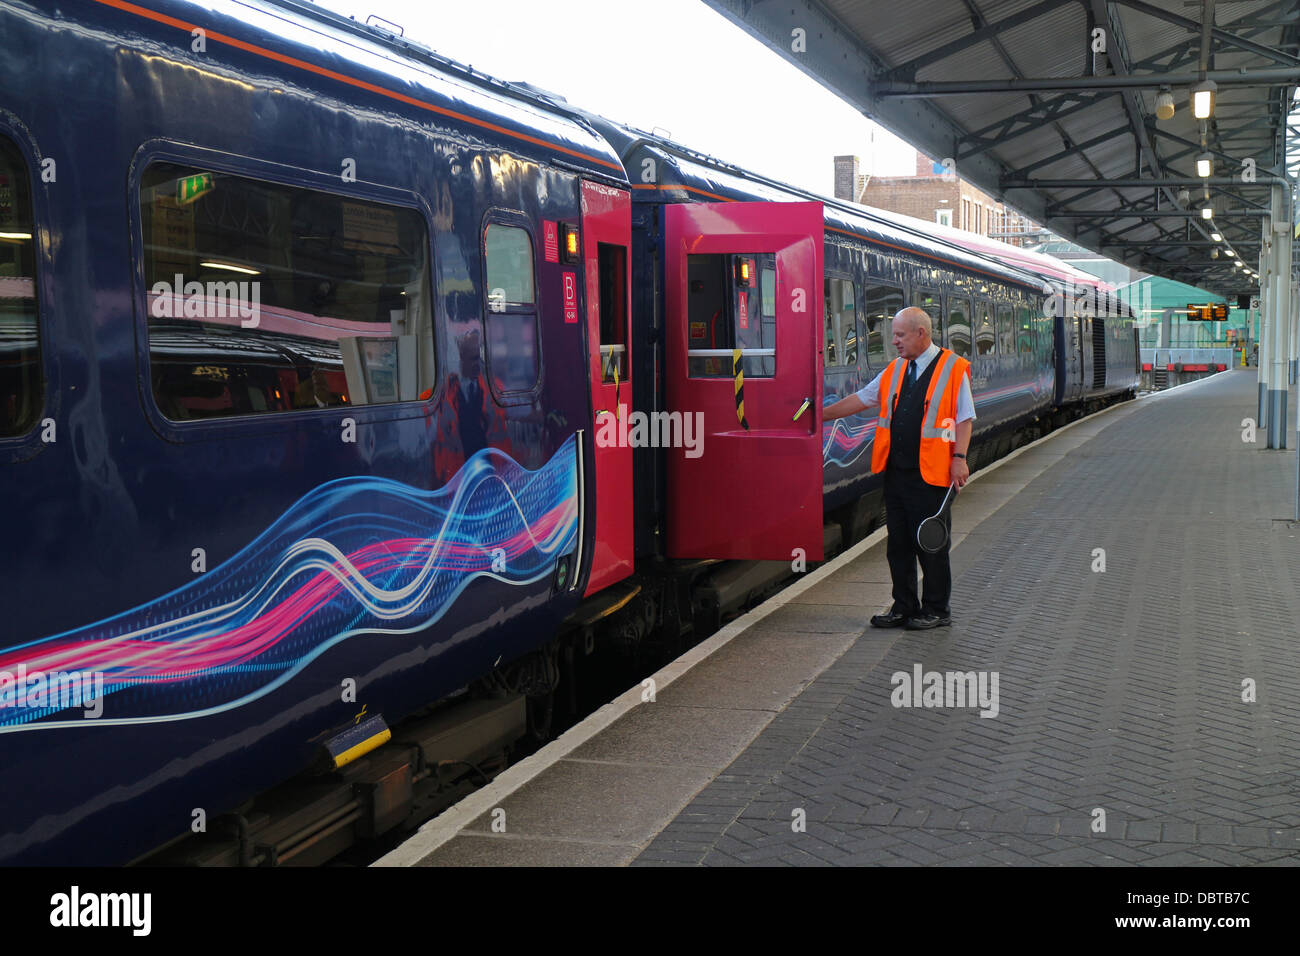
(354, 556)
(846, 439)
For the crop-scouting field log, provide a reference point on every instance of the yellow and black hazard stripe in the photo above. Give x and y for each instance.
(738, 371)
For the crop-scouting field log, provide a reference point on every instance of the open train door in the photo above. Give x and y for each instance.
(607, 227)
(743, 323)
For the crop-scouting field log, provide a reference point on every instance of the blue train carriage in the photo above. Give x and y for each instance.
(296, 331)
(985, 310)
(1098, 360)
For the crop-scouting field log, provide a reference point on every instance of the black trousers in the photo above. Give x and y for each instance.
(908, 502)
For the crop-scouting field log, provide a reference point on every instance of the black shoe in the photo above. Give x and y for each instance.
(922, 622)
(889, 620)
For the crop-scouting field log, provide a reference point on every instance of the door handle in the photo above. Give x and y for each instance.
(802, 408)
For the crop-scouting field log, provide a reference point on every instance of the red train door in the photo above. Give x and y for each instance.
(607, 253)
(743, 316)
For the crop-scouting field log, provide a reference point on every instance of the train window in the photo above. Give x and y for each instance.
(1026, 339)
(1006, 331)
(929, 301)
(731, 303)
(880, 304)
(508, 251)
(21, 387)
(984, 334)
(264, 297)
(959, 325)
(613, 311)
(512, 336)
(841, 337)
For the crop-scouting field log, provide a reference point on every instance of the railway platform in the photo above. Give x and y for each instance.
(1125, 592)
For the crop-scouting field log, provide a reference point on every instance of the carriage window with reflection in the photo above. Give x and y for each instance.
(985, 337)
(731, 304)
(511, 317)
(959, 325)
(930, 303)
(613, 311)
(880, 303)
(1026, 339)
(1006, 331)
(263, 297)
(21, 385)
(841, 335)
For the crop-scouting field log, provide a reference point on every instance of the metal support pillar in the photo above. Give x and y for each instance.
(1261, 362)
(1279, 313)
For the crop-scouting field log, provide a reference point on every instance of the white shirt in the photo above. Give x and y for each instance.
(870, 393)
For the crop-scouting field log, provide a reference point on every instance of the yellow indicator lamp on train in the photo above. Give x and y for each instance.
(569, 243)
(744, 270)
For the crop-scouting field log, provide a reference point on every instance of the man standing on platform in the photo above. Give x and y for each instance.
(920, 444)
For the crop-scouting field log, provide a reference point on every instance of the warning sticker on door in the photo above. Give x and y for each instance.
(570, 297)
(550, 240)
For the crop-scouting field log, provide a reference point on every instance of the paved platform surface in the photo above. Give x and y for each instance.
(1118, 690)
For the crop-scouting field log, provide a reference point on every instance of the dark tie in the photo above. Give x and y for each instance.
(911, 375)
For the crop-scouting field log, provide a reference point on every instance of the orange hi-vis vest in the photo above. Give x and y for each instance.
(938, 426)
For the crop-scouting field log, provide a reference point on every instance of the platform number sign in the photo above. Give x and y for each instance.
(570, 297)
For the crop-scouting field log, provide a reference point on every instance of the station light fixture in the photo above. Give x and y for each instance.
(1203, 94)
(1216, 237)
(1204, 165)
(1184, 197)
(1165, 103)
(1214, 253)
(1207, 212)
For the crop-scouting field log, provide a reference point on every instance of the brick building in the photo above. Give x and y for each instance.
(934, 197)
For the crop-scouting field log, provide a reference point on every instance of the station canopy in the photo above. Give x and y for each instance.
(1061, 109)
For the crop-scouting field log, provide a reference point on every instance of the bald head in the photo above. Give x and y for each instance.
(911, 332)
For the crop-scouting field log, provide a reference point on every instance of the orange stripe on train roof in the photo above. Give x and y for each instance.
(843, 232)
(349, 80)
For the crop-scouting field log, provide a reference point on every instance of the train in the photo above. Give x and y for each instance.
(349, 397)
